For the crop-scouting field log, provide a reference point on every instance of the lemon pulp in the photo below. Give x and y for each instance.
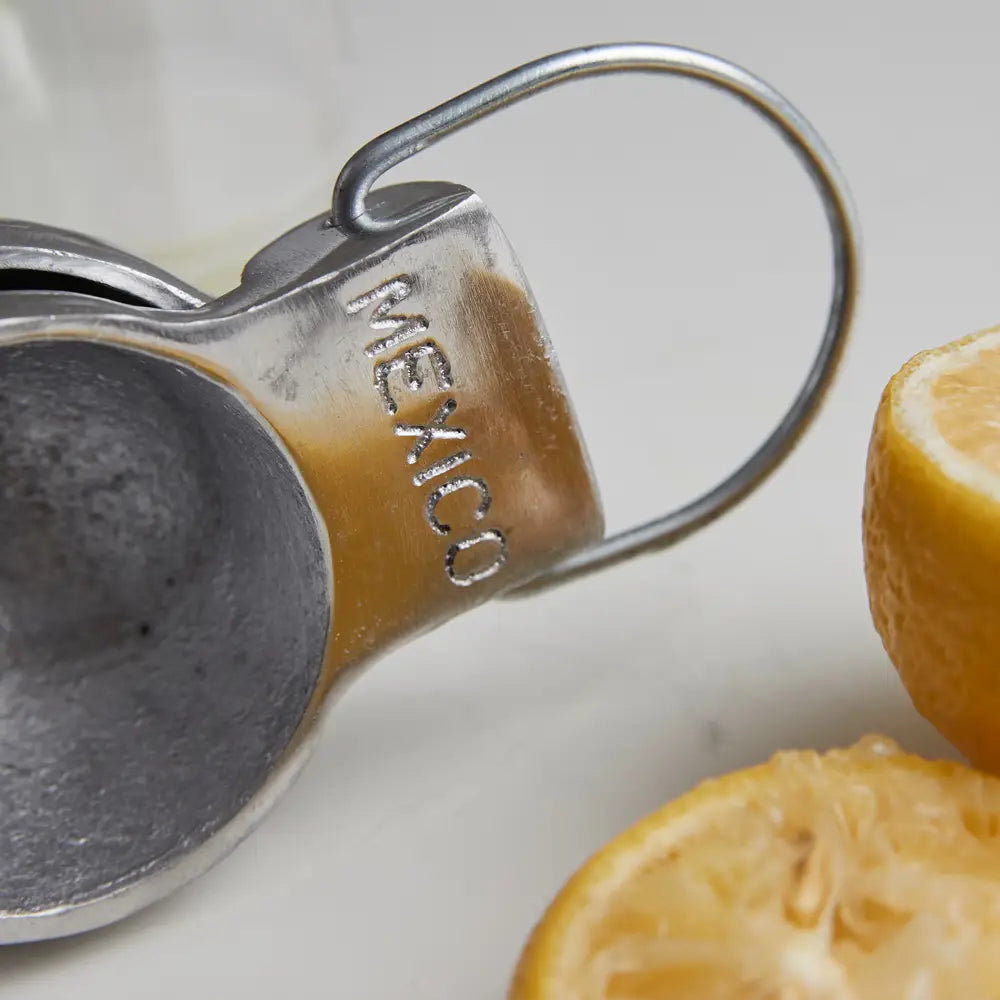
(862, 874)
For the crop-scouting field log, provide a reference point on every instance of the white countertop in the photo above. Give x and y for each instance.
(462, 779)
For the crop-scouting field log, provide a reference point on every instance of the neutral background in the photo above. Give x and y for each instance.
(462, 779)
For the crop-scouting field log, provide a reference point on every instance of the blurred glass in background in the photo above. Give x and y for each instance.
(191, 133)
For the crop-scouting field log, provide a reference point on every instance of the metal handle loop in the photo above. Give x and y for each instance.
(393, 147)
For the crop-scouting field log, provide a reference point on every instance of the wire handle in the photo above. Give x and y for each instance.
(365, 167)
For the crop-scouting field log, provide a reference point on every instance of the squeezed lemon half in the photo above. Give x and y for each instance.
(859, 874)
(932, 538)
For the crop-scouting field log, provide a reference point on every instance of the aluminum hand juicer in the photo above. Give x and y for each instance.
(213, 512)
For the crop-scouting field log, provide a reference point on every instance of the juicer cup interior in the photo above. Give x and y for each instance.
(165, 599)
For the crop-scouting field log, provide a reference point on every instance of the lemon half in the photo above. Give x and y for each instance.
(932, 538)
(861, 874)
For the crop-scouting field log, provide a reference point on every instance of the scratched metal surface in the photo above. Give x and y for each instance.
(463, 778)
(143, 704)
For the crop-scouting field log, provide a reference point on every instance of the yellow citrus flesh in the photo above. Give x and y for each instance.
(861, 874)
(932, 538)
